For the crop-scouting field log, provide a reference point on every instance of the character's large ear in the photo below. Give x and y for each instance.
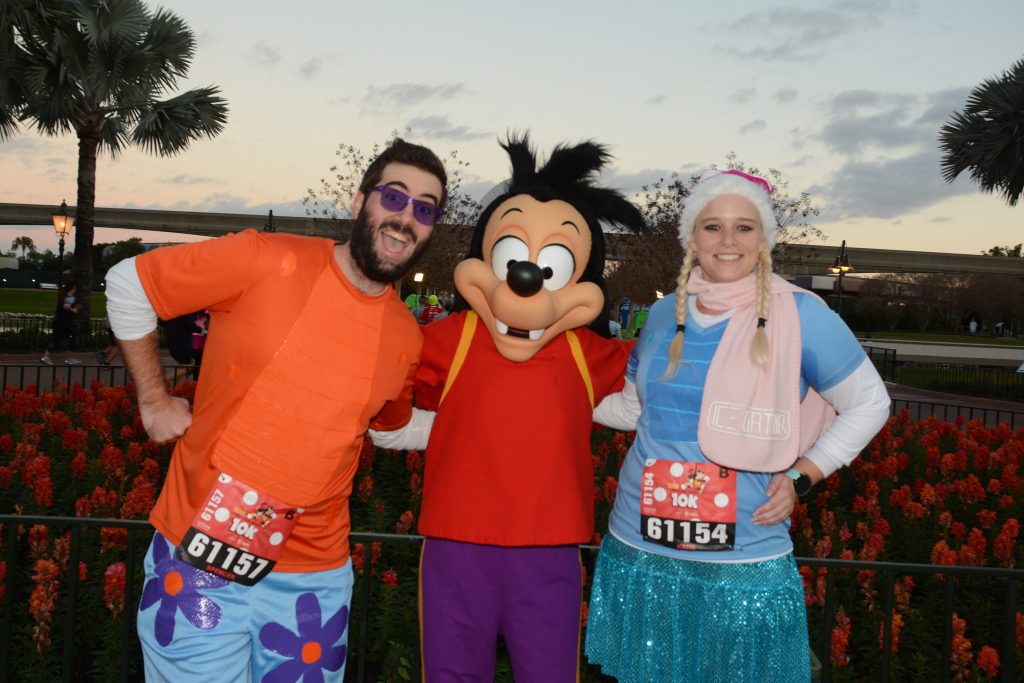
(611, 207)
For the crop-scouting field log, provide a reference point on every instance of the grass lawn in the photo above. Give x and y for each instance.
(43, 301)
(903, 335)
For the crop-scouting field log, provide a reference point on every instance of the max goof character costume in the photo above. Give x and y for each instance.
(508, 485)
(251, 558)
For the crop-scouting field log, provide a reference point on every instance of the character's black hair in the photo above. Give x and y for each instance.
(568, 175)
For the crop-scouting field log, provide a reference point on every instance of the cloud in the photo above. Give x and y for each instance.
(943, 104)
(860, 119)
(265, 54)
(785, 33)
(858, 99)
(26, 147)
(402, 95)
(441, 128)
(186, 179)
(311, 67)
(743, 95)
(886, 188)
(754, 126)
(785, 95)
(658, 99)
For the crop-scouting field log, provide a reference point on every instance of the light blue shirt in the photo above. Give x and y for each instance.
(667, 428)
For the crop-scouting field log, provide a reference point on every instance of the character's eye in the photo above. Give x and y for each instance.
(506, 252)
(558, 265)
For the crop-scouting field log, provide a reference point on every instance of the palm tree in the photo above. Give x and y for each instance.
(97, 68)
(24, 243)
(987, 137)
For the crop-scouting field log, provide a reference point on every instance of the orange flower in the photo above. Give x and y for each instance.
(960, 660)
(42, 601)
(611, 486)
(358, 551)
(413, 461)
(113, 588)
(988, 661)
(404, 523)
(113, 538)
(841, 639)
(897, 628)
(365, 489)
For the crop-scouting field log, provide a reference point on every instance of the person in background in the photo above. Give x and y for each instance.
(734, 389)
(432, 312)
(251, 552)
(63, 335)
(105, 355)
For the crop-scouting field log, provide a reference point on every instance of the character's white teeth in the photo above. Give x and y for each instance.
(729, 257)
(533, 335)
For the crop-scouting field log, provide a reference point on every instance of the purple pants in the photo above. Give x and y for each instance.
(470, 594)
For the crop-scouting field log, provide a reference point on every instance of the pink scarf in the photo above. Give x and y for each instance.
(751, 418)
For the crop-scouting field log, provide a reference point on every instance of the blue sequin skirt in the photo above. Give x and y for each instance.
(655, 618)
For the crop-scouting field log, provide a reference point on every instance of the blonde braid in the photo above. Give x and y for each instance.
(759, 345)
(675, 349)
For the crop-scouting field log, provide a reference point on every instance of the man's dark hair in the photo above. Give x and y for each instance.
(402, 152)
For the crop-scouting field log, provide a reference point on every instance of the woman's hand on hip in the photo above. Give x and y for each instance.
(781, 501)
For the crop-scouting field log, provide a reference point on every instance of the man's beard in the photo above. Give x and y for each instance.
(366, 257)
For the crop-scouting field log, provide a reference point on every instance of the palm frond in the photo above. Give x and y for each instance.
(171, 45)
(107, 21)
(168, 127)
(987, 137)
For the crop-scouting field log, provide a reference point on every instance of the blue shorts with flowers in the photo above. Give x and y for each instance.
(195, 626)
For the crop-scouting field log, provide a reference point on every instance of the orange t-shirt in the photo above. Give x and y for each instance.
(297, 365)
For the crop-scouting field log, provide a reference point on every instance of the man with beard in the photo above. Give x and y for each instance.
(249, 572)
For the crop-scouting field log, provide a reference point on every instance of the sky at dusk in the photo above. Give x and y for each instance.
(845, 99)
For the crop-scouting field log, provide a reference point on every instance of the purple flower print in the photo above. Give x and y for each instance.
(310, 651)
(176, 586)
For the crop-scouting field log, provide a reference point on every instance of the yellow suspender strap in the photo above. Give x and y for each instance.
(468, 327)
(581, 363)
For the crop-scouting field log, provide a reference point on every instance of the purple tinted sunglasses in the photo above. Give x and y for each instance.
(394, 200)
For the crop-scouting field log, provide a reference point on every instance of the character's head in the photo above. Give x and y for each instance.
(432, 299)
(728, 228)
(401, 196)
(726, 223)
(536, 259)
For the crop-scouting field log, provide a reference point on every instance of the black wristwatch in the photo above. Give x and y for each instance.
(801, 482)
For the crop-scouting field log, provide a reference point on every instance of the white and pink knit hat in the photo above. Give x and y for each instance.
(715, 183)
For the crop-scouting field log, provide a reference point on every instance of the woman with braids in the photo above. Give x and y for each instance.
(745, 392)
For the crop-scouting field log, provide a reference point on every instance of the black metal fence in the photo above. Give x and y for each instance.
(1002, 587)
(949, 412)
(884, 360)
(45, 376)
(978, 380)
(21, 333)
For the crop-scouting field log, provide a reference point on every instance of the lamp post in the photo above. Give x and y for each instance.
(841, 266)
(62, 224)
(269, 225)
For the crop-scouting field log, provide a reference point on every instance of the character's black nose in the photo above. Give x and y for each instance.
(525, 278)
